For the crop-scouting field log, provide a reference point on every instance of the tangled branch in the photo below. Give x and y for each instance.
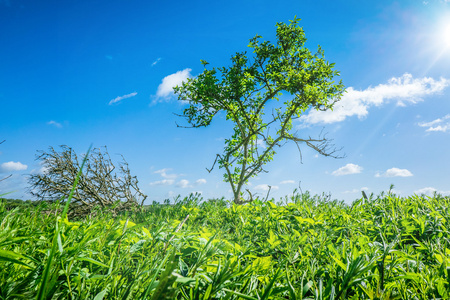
(98, 186)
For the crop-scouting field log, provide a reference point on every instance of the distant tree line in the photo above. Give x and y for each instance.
(13, 203)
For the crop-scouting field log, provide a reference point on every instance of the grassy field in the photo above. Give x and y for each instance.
(307, 247)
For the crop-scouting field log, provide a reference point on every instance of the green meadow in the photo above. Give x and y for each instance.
(301, 247)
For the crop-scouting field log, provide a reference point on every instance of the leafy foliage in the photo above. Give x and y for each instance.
(304, 248)
(250, 93)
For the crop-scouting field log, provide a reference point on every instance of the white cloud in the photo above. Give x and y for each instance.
(265, 187)
(347, 170)
(16, 186)
(163, 173)
(356, 190)
(120, 98)
(441, 124)
(404, 89)
(54, 123)
(165, 89)
(183, 183)
(430, 191)
(162, 182)
(261, 143)
(395, 172)
(12, 166)
(41, 170)
(156, 61)
(171, 194)
(287, 182)
(168, 179)
(200, 181)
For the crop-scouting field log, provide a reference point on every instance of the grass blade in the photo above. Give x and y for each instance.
(44, 280)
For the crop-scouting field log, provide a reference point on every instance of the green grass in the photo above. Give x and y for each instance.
(305, 248)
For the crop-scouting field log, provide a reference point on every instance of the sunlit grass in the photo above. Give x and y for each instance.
(307, 247)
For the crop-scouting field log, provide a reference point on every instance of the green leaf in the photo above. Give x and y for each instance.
(91, 260)
(240, 294)
(101, 295)
(164, 290)
(268, 289)
(340, 263)
(13, 257)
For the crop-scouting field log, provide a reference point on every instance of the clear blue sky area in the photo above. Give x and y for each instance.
(102, 72)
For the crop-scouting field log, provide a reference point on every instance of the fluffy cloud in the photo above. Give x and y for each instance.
(347, 170)
(12, 166)
(287, 182)
(168, 179)
(162, 182)
(163, 173)
(265, 187)
(120, 98)
(41, 170)
(404, 89)
(200, 181)
(395, 172)
(171, 194)
(165, 89)
(54, 123)
(183, 183)
(261, 143)
(430, 191)
(441, 124)
(356, 190)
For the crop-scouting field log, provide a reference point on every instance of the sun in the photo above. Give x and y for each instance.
(446, 35)
(436, 42)
(443, 35)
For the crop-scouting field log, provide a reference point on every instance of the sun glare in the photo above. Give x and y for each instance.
(444, 32)
(439, 43)
(446, 35)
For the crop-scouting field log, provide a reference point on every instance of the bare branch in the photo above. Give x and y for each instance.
(268, 192)
(5, 177)
(98, 185)
(217, 157)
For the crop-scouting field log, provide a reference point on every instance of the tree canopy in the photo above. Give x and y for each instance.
(262, 95)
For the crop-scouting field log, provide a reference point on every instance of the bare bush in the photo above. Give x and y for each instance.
(98, 186)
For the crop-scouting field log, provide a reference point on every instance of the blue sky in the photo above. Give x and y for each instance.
(101, 72)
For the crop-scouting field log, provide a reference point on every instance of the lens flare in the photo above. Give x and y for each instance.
(446, 35)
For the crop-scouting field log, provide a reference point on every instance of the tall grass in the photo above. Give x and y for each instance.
(307, 247)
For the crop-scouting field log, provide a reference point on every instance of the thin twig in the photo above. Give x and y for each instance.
(5, 178)
(268, 192)
(176, 230)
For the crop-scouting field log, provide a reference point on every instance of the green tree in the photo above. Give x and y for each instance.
(249, 93)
